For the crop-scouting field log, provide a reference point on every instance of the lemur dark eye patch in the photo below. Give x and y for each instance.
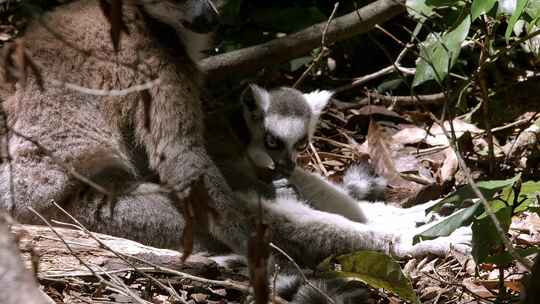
(271, 142)
(302, 144)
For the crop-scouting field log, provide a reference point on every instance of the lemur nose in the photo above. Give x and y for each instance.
(286, 167)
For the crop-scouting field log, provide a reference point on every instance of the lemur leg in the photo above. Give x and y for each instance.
(325, 196)
(310, 235)
(145, 213)
(76, 137)
(394, 218)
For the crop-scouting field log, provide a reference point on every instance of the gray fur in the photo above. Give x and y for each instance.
(308, 209)
(94, 134)
(292, 288)
(100, 135)
(286, 115)
(361, 183)
(288, 102)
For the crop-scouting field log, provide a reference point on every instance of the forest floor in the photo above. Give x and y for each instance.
(398, 135)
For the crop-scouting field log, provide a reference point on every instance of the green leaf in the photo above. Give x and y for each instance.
(487, 188)
(448, 225)
(506, 258)
(486, 238)
(389, 85)
(438, 54)
(373, 268)
(533, 9)
(423, 9)
(419, 9)
(480, 7)
(528, 193)
(297, 63)
(520, 7)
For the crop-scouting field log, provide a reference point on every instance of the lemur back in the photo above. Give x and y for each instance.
(116, 141)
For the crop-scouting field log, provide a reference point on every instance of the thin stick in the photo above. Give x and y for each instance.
(226, 284)
(94, 273)
(330, 300)
(318, 159)
(382, 72)
(323, 52)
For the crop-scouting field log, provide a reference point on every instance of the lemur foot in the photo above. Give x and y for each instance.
(460, 241)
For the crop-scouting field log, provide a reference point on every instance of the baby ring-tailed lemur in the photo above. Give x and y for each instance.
(273, 127)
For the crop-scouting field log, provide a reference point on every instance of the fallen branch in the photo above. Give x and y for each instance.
(57, 261)
(403, 101)
(17, 285)
(250, 59)
(428, 99)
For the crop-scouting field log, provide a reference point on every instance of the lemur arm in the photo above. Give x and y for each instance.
(324, 196)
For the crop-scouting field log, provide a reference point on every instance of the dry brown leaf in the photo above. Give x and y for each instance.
(430, 292)
(529, 222)
(370, 110)
(258, 253)
(436, 136)
(410, 135)
(405, 162)
(477, 288)
(333, 163)
(449, 166)
(199, 297)
(424, 194)
(196, 209)
(113, 13)
(381, 155)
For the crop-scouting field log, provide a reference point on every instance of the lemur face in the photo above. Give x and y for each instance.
(281, 123)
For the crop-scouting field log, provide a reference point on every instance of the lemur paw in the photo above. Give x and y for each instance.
(284, 188)
(460, 241)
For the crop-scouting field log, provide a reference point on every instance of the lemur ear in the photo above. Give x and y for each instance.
(261, 98)
(317, 100)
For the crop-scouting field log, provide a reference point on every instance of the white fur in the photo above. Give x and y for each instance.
(261, 96)
(325, 196)
(228, 260)
(317, 100)
(287, 128)
(388, 227)
(361, 185)
(289, 206)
